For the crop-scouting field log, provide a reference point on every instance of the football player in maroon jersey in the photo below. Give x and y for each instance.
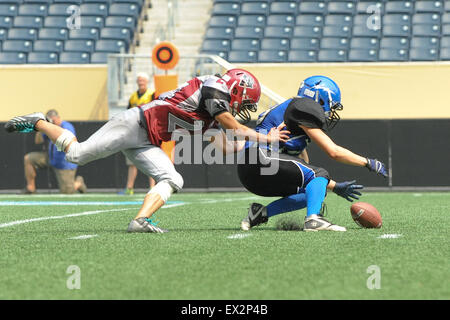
(204, 101)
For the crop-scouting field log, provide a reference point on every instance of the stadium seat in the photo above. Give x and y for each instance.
(22, 34)
(363, 55)
(98, 22)
(6, 22)
(219, 33)
(48, 45)
(399, 7)
(423, 54)
(397, 18)
(110, 46)
(283, 7)
(84, 34)
(242, 56)
(314, 20)
(425, 42)
(272, 56)
(57, 9)
(123, 9)
(446, 30)
(252, 20)
(302, 56)
(393, 55)
(222, 54)
(445, 18)
(278, 32)
(99, 57)
(220, 45)
(394, 43)
(97, 9)
(426, 18)
(139, 3)
(43, 57)
(429, 6)
(305, 44)
(396, 30)
(9, 10)
(249, 32)
(334, 43)
(53, 33)
(447, 6)
(116, 34)
(363, 31)
(362, 7)
(217, 21)
(69, 1)
(332, 55)
(364, 43)
(229, 9)
(79, 46)
(307, 31)
(338, 20)
(13, 58)
(363, 19)
(255, 8)
(33, 10)
(28, 22)
(274, 44)
(445, 54)
(445, 42)
(55, 21)
(426, 30)
(3, 34)
(74, 57)
(337, 31)
(313, 7)
(339, 7)
(17, 45)
(245, 44)
(281, 20)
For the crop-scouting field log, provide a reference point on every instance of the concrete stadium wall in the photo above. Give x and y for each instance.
(370, 90)
(78, 92)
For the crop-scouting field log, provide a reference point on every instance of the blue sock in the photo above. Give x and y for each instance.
(315, 194)
(286, 204)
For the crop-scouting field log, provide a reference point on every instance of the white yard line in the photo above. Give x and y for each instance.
(239, 236)
(390, 236)
(84, 236)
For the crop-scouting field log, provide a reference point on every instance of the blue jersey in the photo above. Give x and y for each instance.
(58, 158)
(272, 118)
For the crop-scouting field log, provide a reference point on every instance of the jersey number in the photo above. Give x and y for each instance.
(174, 122)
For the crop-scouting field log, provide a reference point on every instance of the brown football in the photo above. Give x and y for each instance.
(366, 215)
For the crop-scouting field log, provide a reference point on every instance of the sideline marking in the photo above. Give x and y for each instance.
(85, 213)
(390, 236)
(85, 236)
(239, 235)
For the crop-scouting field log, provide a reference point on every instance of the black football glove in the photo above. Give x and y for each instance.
(348, 190)
(376, 166)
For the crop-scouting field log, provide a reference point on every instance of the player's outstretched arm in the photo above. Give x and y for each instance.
(347, 189)
(341, 154)
(229, 122)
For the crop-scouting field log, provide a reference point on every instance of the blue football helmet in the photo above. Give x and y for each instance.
(326, 92)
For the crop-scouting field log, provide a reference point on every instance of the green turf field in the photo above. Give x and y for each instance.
(206, 256)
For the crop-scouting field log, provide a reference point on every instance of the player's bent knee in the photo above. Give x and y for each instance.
(164, 189)
(64, 140)
(177, 181)
(73, 154)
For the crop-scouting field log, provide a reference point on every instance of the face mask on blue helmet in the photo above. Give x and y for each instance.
(326, 92)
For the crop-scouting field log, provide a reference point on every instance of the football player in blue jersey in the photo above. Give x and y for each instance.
(300, 184)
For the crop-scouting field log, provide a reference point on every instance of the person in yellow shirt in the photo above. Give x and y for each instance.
(142, 96)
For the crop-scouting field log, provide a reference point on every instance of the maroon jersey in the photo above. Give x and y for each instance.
(192, 107)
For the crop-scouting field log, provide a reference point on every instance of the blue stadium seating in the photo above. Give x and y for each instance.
(57, 9)
(334, 43)
(242, 56)
(218, 21)
(22, 34)
(284, 7)
(275, 44)
(6, 22)
(341, 7)
(307, 31)
(84, 34)
(123, 9)
(33, 10)
(42, 57)
(337, 31)
(338, 20)
(219, 33)
(426, 30)
(55, 21)
(305, 44)
(280, 20)
(245, 44)
(425, 42)
(363, 31)
(332, 55)
(363, 55)
(399, 7)
(53, 34)
(116, 34)
(423, 54)
(110, 46)
(219, 45)
(74, 57)
(79, 46)
(397, 30)
(397, 18)
(13, 58)
(253, 20)
(394, 43)
(313, 7)
(255, 8)
(17, 45)
(364, 43)
(98, 22)
(48, 46)
(314, 20)
(228, 9)
(9, 10)
(28, 22)
(426, 18)
(429, 6)
(272, 56)
(302, 56)
(362, 7)
(99, 57)
(278, 32)
(445, 54)
(393, 55)
(445, 42)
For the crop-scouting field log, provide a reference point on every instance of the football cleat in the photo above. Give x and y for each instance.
(317, 222)
(127, 191)
(144, 225)
(24, 124)
(257, 214)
